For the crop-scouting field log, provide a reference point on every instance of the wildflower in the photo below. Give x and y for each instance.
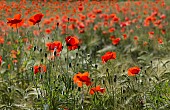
(116, 41)
(16, 21)
(97, 89)
(72, 42)
(163, 31)
(14, 53)
(160, 41)
(133, 71)
(145, 43)
(41, 68)
(80, 78)
(163, 16)
(15, 61)
(1, 40)
(35, 19)
(108, 55)
(124, 36)
(0, 60)
(56, 45)
(80, 8)
(48, 31)
(111, 30)
(136, 38)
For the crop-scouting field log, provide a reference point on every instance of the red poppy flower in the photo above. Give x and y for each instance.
(124, 36)
(163, 16)
(116, 41)
(41, 68)
(80, 8)
(1, 40)
(15, 22)
(108, 55)
(48, 31)
(160, 41)
(111, 30)
(97, 89)
(80, 78)
(35, 19)
(133, 71)
(72, 42)
(56, 45)
(0, 60)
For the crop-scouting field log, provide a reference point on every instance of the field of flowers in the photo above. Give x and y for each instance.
(84, 55)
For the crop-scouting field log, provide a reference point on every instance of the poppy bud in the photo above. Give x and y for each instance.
(32, 69)
(35, 48)
(88, 55)
(96, 66)
(77, 54)
(9, 89)
(92, 79)
(115, 78)
(103, 82)
(78, 47)
(70, 65)
(156, 101)
(107, 70)
(125, 98)
(38, 96)
(58, 76)
(79, 89)
(136, 78)
(46, 55)
(141, 83)
(57, 24)
(56, 88)
(40, 50)
(55, 53)
(97, 47)
(90, 62)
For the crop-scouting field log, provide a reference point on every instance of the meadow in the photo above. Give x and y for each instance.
(85, 55)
